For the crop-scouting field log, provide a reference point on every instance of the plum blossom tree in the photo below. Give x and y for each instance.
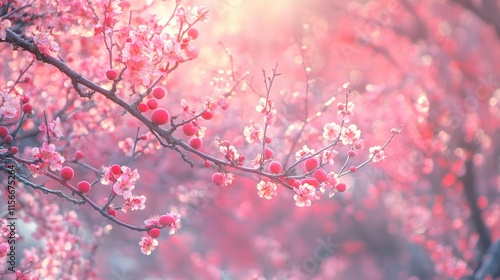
(136, 56)
(122, 122)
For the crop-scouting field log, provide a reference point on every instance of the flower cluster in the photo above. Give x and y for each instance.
(45, 157)
(377, 153)
(174, 221)
(55, 242)
(345, 110)
(111, 10)
(149, 50)
(171, 220)
(329, 184)
(189, 15)
(54, 128)
(45, 43)
(123, 179)
(141, 55)
(304, 195)
(134, 202)
(230, 152)
(348, 135)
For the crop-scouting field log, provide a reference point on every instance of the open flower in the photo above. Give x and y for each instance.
(305, 194)
(148, 245)
(266, 189)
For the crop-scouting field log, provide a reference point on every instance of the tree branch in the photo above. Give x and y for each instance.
(470, 191)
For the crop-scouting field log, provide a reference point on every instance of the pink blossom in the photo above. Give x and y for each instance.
(302, 153)
(112, 8)
(329, 184)
(210, 103)
(331, 131)
(126, 182)
(201, 131)
(109, 177)
(187, 44)
(359, 144)
(134, 202)
(201, 13)
(47, 157)
(176, 225)
(45, 43)
(173, 53)
(8, 110)
(305, 194)
(31, 255)
(186, 108)
(266, 107)
(148, 245)
(153, 221)
(345, 111)
(266, 189)
(132, 51)
(55, 128)
(229, 151)
(253, 133)
(181, 15)
(189, 15)
(8, 107)
(328, 155)
(258, 159)
(270, 117)
(377, 153)
(350, 134)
